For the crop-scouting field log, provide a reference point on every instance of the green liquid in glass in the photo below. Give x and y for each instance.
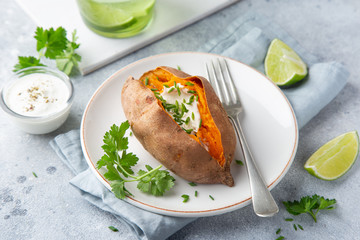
(116, 18)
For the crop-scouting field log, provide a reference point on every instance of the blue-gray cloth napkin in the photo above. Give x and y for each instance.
(246, 39)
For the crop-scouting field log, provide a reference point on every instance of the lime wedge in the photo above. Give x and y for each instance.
(282, 64)
(334, 158)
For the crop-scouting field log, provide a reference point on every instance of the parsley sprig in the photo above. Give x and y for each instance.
(118, 164)
(53, 44)
(309, 204)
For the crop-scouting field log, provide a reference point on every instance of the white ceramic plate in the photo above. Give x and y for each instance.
(269, 124)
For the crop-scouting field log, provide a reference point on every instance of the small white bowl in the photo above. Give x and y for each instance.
(38, 124)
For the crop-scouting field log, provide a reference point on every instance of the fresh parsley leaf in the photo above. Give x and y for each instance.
(309, 204)
(68, 59)
(51, 42)
(25, 62)
(119, 163)
(155, 183)
(114, 229)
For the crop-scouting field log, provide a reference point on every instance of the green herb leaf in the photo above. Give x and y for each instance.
(309, 204)
(114, 229)
(34, 174)
(239, 162)
(178, 68)
(189, 84)
(280, 238)
(196, 193)
(68, 59)
(185, 197)
(25, 62)
(192, 91)
(51, 42)
(119, 163)
(300, 227)
(211, 197)
(278, 231)
(295, 227)
(192, 184)
(289, 219)
(146, 81)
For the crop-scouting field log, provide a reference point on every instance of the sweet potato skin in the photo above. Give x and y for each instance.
(168, 143)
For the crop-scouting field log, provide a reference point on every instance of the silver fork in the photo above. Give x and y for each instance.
(263, 203)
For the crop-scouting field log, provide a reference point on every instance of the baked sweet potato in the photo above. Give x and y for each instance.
(202, 155)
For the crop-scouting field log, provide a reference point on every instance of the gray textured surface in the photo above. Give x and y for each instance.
(47, 207)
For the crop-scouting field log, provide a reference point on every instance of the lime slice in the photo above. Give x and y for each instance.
(282, 65)
(107, 16)
(334, 158)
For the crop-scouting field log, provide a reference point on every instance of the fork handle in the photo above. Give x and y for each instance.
(263, 203)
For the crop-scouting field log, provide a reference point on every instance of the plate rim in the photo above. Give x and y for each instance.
(173, 212)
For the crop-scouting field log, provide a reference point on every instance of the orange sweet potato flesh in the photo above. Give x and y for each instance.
(208, 134)
(204, 158)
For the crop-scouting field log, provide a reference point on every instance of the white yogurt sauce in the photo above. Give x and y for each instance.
(37, 94)
(173, 96)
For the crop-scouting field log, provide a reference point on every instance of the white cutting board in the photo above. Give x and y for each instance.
(97, 51)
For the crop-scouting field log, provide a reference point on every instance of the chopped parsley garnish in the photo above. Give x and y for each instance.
(118, 164)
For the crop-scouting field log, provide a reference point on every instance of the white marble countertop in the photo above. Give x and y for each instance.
(48, 207)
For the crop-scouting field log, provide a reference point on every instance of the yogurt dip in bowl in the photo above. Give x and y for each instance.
(38, 99)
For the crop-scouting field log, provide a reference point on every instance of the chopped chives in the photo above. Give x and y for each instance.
(131, 134)
(211, 197)
(34, 174)
(196, 193)
(192, 91)
(200, 123)
(189, 84)
(178, 90)
(187, 120)
(192, 184)
(185, 197)
(197, 98)
(280, 238)
(300, 227)
(165, 85)
(174, 83)
(193, 116)
(154, 89)
(289, 219)
(278, 231)
(295, 227)
(239, 162)
(146, 81)
(114, 229)
(178, 68)
(171, 89)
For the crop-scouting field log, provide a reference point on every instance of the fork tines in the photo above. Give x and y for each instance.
(219, 76)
